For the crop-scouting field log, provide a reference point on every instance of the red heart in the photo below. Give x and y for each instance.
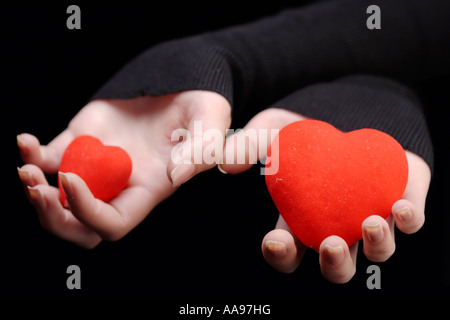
(105, 169)
(329, 181)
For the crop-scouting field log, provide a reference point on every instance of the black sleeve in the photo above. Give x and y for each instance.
(258, 63)
(365, 101)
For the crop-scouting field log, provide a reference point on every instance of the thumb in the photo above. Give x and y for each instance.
(200, 147)
(245, 147)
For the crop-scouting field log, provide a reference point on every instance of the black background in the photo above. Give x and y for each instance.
(204, 241)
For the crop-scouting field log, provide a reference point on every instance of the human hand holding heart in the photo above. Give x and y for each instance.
(105, 169)
(328, 182)
(284, 251)
(324, 186)
(114, 219)
(110, 190)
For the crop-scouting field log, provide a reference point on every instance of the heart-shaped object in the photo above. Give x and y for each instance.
(105, 169)
(329, 181)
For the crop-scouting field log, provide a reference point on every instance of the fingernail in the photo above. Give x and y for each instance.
(223, 171)
(20, 142)
(23, 175)
(334, 255)
(66, 184)
(182, 173)
(35, 193)
(404, 214)
(374, 232)
(22, 145)
(276, 248)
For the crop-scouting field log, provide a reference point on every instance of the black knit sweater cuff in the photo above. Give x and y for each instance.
(179, 65)
(363, 101)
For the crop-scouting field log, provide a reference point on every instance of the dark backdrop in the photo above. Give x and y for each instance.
(204, 241)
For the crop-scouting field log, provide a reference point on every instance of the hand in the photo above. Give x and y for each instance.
(142, 126)
(281, 248)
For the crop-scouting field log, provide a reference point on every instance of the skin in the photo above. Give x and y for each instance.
(283, 251)
(143, 127)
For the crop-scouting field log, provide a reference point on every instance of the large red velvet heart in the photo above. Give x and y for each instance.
(329, 181)
(105, 169)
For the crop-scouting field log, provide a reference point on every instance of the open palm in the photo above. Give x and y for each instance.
(143, 127)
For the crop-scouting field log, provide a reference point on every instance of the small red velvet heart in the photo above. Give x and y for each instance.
(105, 169)
(329, 181)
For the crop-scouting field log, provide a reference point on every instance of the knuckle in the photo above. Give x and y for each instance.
(341, 276)
(89, 245)
(379, 254)
(113, 235)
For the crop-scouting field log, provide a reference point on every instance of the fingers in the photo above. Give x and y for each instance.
(247, 146)
(337, 260)
(110, 220)
(200, 144)
(46, 157)
(378, 238)
(281, 249)
(409, 212)
(89, 219)
(51, 213)
(408, 217)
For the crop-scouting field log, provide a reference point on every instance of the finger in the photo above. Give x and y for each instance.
(281, 249)
(378, 238)
(30, 176)
(409, 212)
(201, 146)
(337, 260)
(59, 221)
(46, 157)
(111, 220)
(245, 147)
